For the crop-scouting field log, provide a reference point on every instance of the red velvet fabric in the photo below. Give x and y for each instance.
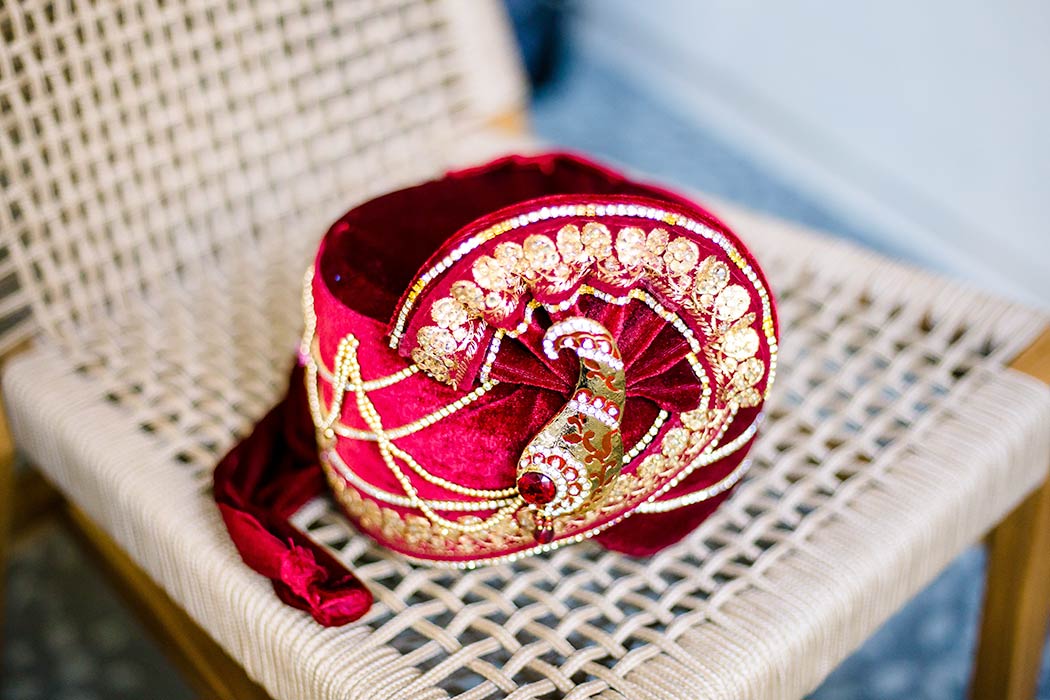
(366, 263)
(263, 481)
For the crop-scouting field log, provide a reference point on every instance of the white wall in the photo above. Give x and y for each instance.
(930, 120)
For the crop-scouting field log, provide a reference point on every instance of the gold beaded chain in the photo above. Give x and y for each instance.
(494, 498)
(346, 374)
(415, 426)
(343, 368)
(334, 460)
(311, 355)
(506, 493)
(308, 344)
(371, 384)
(387, 450)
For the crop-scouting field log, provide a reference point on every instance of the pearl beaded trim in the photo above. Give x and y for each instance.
(700, 495)
(591, 210)
(588, 348)
(346, 375)
(637, 294)
(709, 457)
(649, 436)
(704, 494)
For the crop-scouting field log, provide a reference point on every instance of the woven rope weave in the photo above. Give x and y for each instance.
(167, 169)
(895, 439)
(143, 140)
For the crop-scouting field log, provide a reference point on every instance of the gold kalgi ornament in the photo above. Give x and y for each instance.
(568, 465)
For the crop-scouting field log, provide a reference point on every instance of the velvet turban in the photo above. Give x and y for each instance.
(502, 361)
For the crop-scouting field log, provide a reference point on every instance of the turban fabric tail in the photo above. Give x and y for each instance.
(259, 485)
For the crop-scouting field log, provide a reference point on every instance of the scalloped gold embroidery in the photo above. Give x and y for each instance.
(476, 539)
(555, 265)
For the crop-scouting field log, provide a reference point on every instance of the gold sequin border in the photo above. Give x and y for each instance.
(592, 210)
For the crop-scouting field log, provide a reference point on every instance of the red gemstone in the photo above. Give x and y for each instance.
(536, 488)
(544, 534)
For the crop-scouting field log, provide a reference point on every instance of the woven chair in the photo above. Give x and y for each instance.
(167, 169)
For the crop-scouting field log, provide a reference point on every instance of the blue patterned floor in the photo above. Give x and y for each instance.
(67, 636)
(924, 652)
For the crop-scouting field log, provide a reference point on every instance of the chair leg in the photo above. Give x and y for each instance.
(1016, 603)
(7, 487)
(204, 664)
(1017, 597)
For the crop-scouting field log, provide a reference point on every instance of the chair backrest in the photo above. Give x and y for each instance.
(143, 139)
